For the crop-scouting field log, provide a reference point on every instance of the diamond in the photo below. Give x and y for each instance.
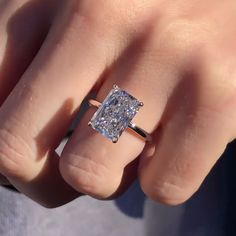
(115, 113)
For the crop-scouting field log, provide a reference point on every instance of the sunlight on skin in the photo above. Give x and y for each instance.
(176, 57)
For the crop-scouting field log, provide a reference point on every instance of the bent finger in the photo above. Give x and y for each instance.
(193, 136)
(40, 109)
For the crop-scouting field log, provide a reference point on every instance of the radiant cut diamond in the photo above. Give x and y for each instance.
(115, 113)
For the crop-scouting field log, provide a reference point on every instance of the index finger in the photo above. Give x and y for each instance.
(40, 109)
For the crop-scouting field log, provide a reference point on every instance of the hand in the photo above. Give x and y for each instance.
(178, 57)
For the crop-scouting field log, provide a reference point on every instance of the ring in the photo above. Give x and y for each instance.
(115, 114)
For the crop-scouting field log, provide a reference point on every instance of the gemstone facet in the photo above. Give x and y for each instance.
(115, 113)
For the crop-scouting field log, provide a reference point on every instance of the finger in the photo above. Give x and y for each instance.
(194, 135)
(91, 163)
(24, 23)
(12, 18)
(40, 109)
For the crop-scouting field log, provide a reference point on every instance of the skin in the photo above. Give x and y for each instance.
(178, 57)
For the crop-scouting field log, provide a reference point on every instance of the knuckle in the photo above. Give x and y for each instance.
(116, 18)
(183, 37)
(11, 158)
(85, 175)
(168, 193)
(100, 17)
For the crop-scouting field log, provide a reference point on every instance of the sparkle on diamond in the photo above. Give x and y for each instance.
(115, 114)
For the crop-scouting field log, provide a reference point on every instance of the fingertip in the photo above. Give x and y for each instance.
(167, 192)
(85, 175)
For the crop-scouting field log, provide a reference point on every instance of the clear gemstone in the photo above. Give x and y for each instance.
(115, 113)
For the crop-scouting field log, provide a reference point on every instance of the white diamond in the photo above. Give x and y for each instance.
(115, 114)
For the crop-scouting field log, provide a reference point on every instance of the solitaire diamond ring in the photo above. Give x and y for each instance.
(115, 114)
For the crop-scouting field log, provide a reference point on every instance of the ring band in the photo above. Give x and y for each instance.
(115, 114)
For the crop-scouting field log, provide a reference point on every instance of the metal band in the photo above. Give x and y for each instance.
(142, 133)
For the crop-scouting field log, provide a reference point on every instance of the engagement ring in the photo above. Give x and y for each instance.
(115, 114)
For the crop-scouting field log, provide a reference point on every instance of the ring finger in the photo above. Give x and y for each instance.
(91, 163)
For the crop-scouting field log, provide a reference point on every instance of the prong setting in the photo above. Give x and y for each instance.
(141, 104)
(114, 139)
(115, 86)
(115, 113)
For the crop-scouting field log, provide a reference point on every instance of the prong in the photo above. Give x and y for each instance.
(115, 86)
(90, 124)
(89, 103)
(114, 139)
(141, 104)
